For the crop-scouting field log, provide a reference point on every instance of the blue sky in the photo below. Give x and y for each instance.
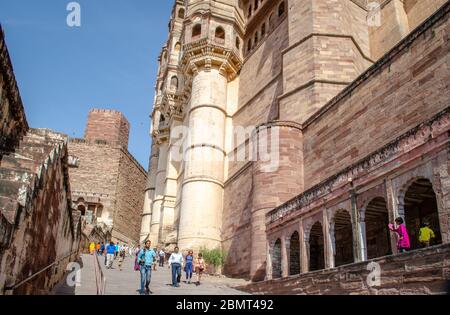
(109, 62)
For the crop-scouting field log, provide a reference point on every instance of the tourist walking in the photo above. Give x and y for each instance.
(155, 258)
(162, 256)
(121, 258)
(176, 261)
(102, 249)
(200, 267)
(426, 234)
(189, 266)
(91, 248)
(403, 238)
(145, 258)
(137, 267)
(97, 248)
(110, 254)
(117, 249)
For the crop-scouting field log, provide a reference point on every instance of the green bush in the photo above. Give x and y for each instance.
(215, 257)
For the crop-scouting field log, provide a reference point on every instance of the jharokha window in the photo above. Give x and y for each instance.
(281, 9)
(196, 31)
(181, 13)
(220, 35)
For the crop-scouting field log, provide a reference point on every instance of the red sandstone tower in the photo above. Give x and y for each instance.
(107, 125)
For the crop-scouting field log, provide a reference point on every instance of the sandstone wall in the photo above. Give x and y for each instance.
(13, 123)
(130, 188)
(404, 90)
(236, 225)
(424, 271)
(37, 225)
(96, 174)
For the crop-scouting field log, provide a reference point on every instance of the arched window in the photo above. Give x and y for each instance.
(263, 30)
(281, 9)
(177, 46)
(181, 13)
(271, 22)
(197, 30)
(256, 4)
(174, 83)
(249, 45)
(256, 39)
(238, 43)
(249, 11)
(220, 34)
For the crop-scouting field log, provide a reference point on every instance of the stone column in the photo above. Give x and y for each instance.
(328, 246)
(359, 231)
(279, 165)
(202, 192)
(303, 249)
(269, 270)
(159, 193)
(284, 257)
(170, 185)
(149, 195)
(393, 211)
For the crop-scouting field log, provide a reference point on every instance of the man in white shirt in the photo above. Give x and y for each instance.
(162, 256)
(175, 261)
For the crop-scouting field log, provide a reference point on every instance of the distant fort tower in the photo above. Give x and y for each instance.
(276, 65)
(107, 125)
(106, 180)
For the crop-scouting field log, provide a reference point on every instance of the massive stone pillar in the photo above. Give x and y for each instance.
(149, 195)
(170, 190)
(160, 177)
(277, 177)
(202, 192)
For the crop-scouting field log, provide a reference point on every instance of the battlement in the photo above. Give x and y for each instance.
(107, 125)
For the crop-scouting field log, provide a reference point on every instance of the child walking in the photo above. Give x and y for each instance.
(200, 267)
(403, 243)
(425, 234)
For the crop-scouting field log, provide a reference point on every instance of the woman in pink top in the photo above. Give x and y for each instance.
(403, 237)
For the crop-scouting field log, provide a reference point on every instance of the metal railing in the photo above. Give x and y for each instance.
(34, 275)
(100, 279)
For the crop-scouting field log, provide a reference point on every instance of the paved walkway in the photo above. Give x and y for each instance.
(127, 281)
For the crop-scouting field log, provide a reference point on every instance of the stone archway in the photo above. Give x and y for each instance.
(343, 237)
(376, 218)
(420, 206)
(276, 259)
(294, 254)
(316, 248)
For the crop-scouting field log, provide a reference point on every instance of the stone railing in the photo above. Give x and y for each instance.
(415, 137)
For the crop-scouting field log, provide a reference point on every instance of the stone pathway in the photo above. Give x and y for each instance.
(127, 281)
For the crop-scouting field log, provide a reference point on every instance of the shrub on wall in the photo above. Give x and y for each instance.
(214, 258)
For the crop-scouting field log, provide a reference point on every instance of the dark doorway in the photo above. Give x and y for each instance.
(316, 249)
(420, 207)
(276, 260)
(377, 232)
(343, 237)
(294, 257)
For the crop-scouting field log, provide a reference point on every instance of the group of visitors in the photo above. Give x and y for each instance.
(146, 260)
(426, 234)
(111, 252)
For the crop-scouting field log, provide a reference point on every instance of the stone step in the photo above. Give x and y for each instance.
(37, 152)
(22, 175)
(10, 189)
(8, 208)
(13, 161)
